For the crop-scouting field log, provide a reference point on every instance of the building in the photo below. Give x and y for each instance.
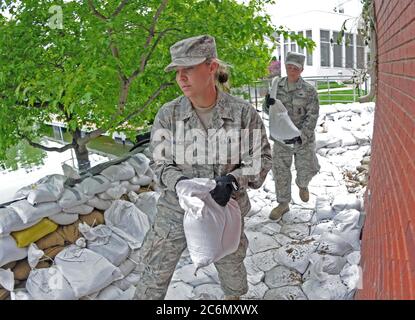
(322, 22)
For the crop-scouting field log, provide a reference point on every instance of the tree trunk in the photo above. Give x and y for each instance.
(81, 152)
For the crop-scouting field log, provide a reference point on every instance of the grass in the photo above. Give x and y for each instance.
(342, 96)
(324, 85)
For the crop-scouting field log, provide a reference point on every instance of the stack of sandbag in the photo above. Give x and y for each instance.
(56, 216)
(343, 127)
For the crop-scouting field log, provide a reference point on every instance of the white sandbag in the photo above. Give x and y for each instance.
(64, 219)
(331, 288)
(6, 279)
(347, 227)
(324, 209)
(119, 172)
(30, 213)
(348, 139)
(353, 258)
(285, 293)
(9, 251)
(281, 126)
(98, 203)
(130, 263)
(72, 197)
(295, 256)
(333, 244)
(47, 189)
(126, 220)
(344, 202)
(93, 185)
(144, 180)
(49, 284)
(129, 186)
(352, 277)
(140, 163)
(113, 193)
(330, 264)
(322, 227)
(113, 293)
(212, 231)
(86, 271)
(10, 221)
(81, 209)
(105, 242)
(20, 294)
(147, 203)
(105, 196)
(70, 172)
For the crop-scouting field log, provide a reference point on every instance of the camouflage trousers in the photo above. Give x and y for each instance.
(306, 165)
(161, 251)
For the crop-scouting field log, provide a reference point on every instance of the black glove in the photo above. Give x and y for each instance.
(294, 140)
(225, 185)
(268, 101)
(180, 179)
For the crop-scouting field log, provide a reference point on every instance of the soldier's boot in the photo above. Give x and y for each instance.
(231, 298)
(277, 212)
(304, 194)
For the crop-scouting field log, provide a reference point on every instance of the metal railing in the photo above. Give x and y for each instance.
(331, 89)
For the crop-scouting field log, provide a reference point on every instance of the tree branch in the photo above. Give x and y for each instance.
(96, 12)
(144, 57)
(119, 8)
(37, 145)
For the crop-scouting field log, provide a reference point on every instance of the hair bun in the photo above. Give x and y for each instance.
(223, 77)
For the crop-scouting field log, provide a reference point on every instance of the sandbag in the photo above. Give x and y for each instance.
(63, 218)
(30, 213)
(333, 244)
(129, 186)
(105, 242)
(345, 202)
(212, 231)
(295, 256)
(329, 264)
(86, 271)
(93, 185)
(81, 209)
(140, 163)
(126, 220)
(47, 189)
(49, 284)
(22, 269)
(147, 203)
(324, 209)
(119, 172)
(25, 237)
(93, 219)
(331, 288)
(113, 193)
(72, 197)
(9, 251)
(113, 293)
(99, 203)
(347, 227)
(10, 221)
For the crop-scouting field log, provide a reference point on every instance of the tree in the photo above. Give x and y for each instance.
(97, 66)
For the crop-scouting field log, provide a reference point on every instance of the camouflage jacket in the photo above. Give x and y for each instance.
(177, 129)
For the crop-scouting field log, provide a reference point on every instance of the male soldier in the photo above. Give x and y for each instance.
(208, 109)
(301, 101)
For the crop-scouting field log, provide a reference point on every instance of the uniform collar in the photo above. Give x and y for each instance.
(221, 108)
(284, 83)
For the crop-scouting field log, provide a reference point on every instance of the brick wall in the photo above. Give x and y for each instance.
(388, 242)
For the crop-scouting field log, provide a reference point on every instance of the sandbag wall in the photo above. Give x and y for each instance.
(100, 221)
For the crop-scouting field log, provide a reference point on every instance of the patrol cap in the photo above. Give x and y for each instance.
(192, 51)
(296, 59)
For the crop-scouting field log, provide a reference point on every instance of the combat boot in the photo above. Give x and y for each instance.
(277, 212)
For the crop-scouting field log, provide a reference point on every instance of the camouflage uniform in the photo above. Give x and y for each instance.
(302, 105)
(166, 241)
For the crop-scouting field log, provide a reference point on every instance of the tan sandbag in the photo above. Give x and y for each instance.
(9, 265)
(22, 269)
(70, 233)
(93, 219)
(53, 251)
(4, 294)
(51, 240)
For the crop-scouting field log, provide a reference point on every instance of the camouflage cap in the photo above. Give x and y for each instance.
(296, 59)
(192, 51)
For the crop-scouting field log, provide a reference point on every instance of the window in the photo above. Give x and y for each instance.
(349, 42)
(285, 47)
(360, 52)
(309, 35)
(301, 50)
(337, 51)
(293, 44)
(325, 48)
